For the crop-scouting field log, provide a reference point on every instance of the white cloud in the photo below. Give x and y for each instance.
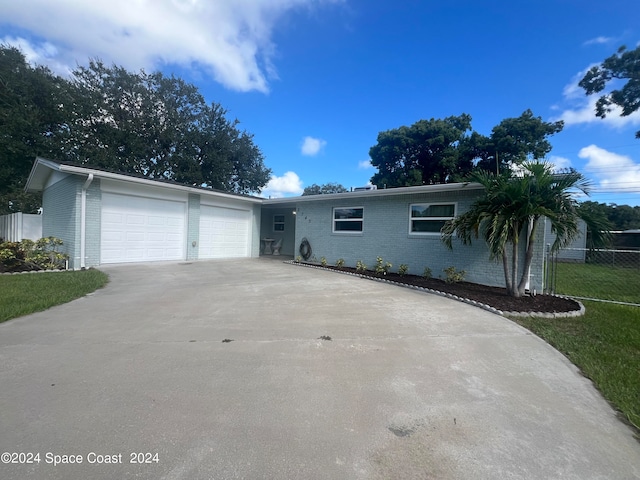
(598, 40)
(43, 53)
(577, 108)
(231, 40)
(365, 165)
(286, 185)
(312, 146)
(584, 111)
(613, 171)
(559, 163)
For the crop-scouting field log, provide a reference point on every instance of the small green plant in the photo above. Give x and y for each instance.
(45, 253)
(29, 255)
(298, 259)
(382, 267)
(453, 275)
(361, 267)
(340, 263)
(403, 269)
(323, 261)
(427, 272)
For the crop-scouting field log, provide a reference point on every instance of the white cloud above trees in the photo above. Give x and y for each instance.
(286, 185)
(229, 40)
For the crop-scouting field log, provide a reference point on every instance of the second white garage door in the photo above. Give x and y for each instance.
(139, 229)
(224, 232)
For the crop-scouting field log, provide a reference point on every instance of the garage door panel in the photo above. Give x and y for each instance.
(137, 229)
(224, 232)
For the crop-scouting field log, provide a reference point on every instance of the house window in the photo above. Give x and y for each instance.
(429, 218)
(278, 223)
(348, 219)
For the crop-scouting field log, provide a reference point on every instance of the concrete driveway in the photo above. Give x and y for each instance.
(410, 386)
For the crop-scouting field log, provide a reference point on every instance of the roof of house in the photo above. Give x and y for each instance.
(43, 168)
(386, 192)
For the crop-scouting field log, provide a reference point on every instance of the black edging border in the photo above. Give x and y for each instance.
(484, 306)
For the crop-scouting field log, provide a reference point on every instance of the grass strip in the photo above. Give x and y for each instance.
(605, 345)
(33, 292)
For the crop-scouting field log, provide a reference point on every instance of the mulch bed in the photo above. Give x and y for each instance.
(493, 296)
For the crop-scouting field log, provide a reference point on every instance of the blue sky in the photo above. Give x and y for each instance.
(316, 80)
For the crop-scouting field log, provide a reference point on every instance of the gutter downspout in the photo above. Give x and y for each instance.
(83, 221)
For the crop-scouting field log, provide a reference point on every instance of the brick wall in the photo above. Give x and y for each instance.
(92, 226)
(386, 234)
(61, 216)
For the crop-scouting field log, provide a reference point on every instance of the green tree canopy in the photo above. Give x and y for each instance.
(622, 65)
(446, 150)
(160, 127)
(621, 217)
(508, 214)
(426, 152)
(324, 188)
(131, 122)
(513, 141)
(30, 116)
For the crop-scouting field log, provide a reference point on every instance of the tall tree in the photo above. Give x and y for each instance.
(513, 141)
(622, 65)
(324, 189)
(509, 211)
(30, 117)
(159, 127)
(147, 124)
(424, 153)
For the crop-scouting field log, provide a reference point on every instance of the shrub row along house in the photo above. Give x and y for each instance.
(105, 218)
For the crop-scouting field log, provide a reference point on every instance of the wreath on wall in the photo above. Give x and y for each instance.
(305, 249)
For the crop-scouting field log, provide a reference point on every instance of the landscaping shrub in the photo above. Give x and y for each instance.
(28, 255)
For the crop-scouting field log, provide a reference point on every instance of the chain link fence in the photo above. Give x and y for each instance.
(611, 275)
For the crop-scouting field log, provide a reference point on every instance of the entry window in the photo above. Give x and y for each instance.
(429, 218)
(348, 219)
(278, 223)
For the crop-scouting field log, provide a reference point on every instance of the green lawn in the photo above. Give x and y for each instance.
(29, 293)
(605, 345)
(598, 281)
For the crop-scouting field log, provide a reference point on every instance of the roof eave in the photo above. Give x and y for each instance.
(444, 187)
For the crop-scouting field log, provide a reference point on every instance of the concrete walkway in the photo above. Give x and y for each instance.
(410, 386)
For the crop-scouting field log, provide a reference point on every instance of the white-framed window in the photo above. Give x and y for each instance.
(348, 219)
(278, 223)
(429, 218)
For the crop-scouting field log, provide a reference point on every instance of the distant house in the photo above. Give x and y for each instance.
(576, 250)
(105, 217)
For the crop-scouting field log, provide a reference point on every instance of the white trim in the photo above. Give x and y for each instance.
(346, 232)
(426, 219)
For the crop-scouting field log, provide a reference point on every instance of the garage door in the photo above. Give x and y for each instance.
(224, 232)
(137, 229)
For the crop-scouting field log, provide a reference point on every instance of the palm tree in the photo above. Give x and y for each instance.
(509, 212)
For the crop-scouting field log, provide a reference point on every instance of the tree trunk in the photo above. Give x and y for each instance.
(507, 279)
(527, 259)
(514, 265)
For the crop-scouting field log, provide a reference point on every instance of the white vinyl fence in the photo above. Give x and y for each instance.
(19, 226)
